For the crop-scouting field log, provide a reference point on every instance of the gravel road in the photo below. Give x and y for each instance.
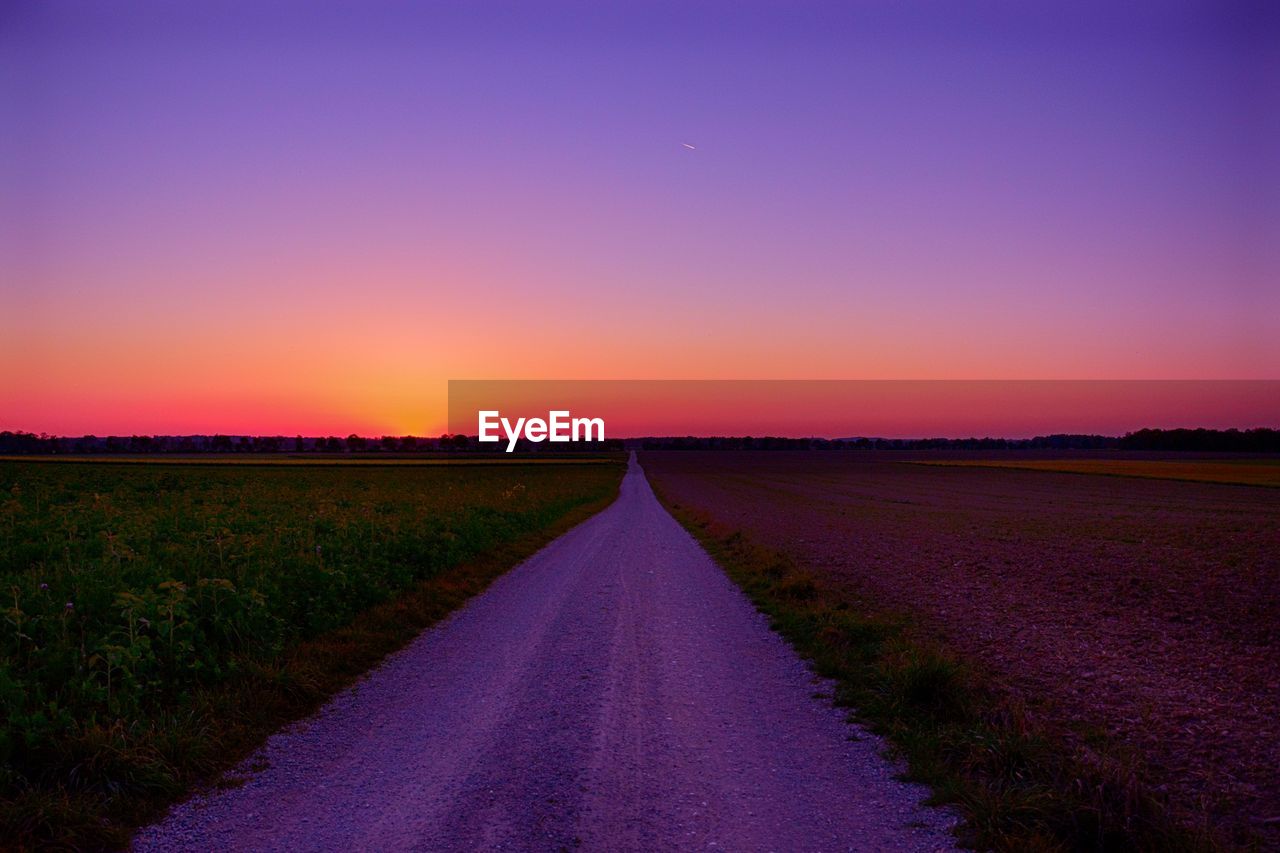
(614, 692)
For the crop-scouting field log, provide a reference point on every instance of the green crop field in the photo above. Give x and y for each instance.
(144, 605)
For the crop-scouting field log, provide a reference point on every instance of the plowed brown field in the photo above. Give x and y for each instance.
(1146, 609)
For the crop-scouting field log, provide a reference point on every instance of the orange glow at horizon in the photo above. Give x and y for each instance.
(204, 230)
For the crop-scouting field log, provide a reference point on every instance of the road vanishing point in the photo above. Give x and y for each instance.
(613, 692)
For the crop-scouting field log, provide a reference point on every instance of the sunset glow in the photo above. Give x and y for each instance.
(299, 219)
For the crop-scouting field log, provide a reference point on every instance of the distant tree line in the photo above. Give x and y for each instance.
(1205, 440)
(1212, 440)
(1202, 440)
(30, 443)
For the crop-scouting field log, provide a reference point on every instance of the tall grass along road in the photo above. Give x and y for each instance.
(615, 691)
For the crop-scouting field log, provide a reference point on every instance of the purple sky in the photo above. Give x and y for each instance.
(268, 216)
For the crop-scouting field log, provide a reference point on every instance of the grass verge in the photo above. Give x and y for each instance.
(1018, 786)
(159, 761)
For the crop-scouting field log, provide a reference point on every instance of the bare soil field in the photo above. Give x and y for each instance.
(1142, 612)
(1245, 472)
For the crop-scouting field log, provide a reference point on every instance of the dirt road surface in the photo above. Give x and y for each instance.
(613, 692)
